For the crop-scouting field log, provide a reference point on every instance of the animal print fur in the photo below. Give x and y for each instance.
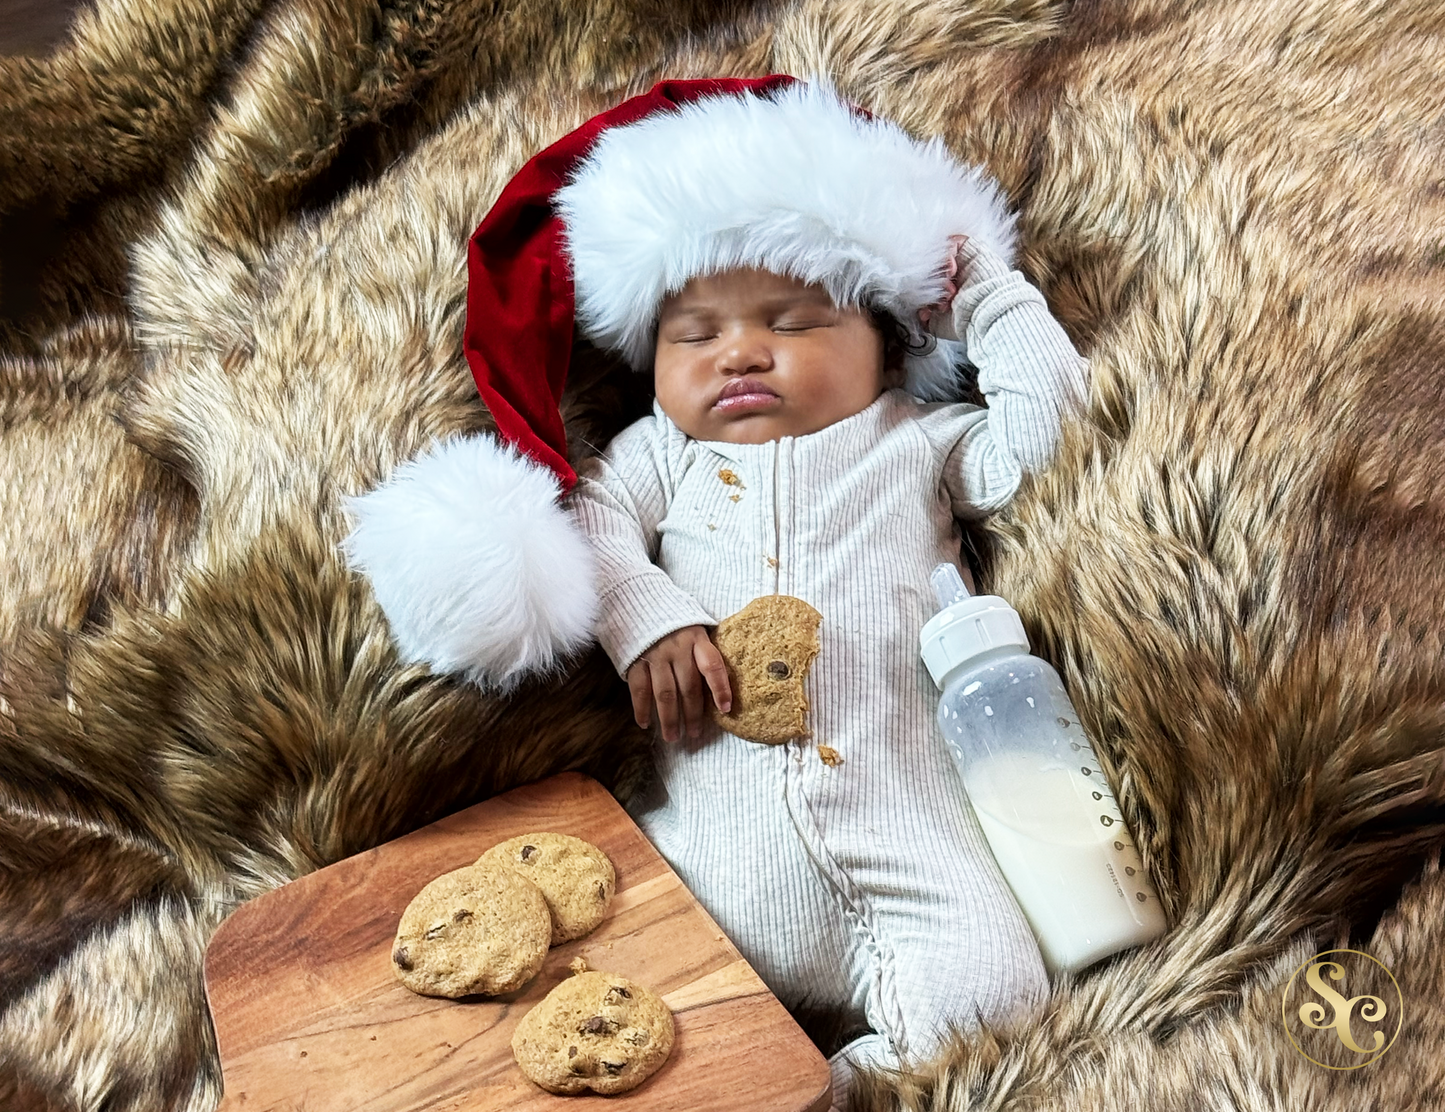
(231, 291)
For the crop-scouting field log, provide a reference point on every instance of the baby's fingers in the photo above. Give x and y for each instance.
(639, 686)
(715, 672)
(664, 694)
(689, 692)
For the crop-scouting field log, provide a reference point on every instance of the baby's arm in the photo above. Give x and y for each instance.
(652, 630)
(1028, 372)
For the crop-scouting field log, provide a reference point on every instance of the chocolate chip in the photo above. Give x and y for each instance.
(528, 852)
(778, 669)
(619, 991)
(614, 1068)
(435, 931)
(598, 1025)
(402, 958)
(571, 1052)
(601, 891)
(461, 915)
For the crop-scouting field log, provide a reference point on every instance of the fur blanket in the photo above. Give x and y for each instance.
(232, 281)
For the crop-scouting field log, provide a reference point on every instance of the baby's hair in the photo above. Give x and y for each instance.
(898, 344)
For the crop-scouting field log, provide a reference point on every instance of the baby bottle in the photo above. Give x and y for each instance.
(1035, 783)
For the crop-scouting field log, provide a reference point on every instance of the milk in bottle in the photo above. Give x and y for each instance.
(1035, 783)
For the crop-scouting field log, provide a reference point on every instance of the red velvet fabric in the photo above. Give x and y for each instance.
(518, 337)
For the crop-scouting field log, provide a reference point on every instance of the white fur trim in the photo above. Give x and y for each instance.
(478, 568)
(797, 184)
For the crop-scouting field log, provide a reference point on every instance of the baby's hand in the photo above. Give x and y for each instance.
(938, 318)
(671, 674)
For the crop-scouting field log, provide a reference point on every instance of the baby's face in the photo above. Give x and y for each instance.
(748, 356)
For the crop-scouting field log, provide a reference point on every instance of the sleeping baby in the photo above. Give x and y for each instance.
(787, 454)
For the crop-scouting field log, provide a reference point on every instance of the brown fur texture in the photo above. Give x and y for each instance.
(231, 291)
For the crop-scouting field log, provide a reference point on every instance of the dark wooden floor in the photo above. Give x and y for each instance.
(34, 26)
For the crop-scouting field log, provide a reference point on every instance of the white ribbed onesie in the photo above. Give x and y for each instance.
(867, 886)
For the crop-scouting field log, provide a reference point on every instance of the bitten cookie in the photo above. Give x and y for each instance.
(576, 878)
(594, 1031)
(768, 645)
(480, 929)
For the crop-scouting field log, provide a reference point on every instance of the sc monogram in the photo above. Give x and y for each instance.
(1322, 1007)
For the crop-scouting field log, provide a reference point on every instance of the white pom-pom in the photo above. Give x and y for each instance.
(478, 568)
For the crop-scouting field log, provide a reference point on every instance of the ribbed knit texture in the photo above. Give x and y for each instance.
(868, 885)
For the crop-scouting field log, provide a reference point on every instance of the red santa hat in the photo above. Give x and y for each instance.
(468, 548)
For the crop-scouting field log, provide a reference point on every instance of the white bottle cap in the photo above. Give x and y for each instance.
(969, 628)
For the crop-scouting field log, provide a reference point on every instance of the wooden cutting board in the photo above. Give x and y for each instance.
(308, 1014)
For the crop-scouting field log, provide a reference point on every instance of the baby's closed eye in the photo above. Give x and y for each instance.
(800, 324)
(687, 331)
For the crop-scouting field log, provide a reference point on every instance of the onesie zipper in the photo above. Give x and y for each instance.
(777, 526)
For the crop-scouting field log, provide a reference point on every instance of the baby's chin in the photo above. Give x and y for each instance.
(757, 426)
(752, 428)
(749, 434)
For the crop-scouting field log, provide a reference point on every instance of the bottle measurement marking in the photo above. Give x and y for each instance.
(1102, 794)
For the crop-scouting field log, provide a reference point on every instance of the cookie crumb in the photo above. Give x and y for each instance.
(578, 965)
(730, 477)
(735, 497)
(711, 526)
(829, 756)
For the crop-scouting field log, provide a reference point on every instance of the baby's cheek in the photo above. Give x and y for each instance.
(685, 404)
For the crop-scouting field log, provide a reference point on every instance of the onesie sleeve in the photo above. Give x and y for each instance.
(1029, 373)
(619, 502)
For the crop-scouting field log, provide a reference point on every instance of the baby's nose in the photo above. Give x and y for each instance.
(747, 350)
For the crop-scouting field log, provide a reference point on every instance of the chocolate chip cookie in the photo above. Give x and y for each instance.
(576, 878)
(594, 1032)
(481, 929)
(768, 646)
